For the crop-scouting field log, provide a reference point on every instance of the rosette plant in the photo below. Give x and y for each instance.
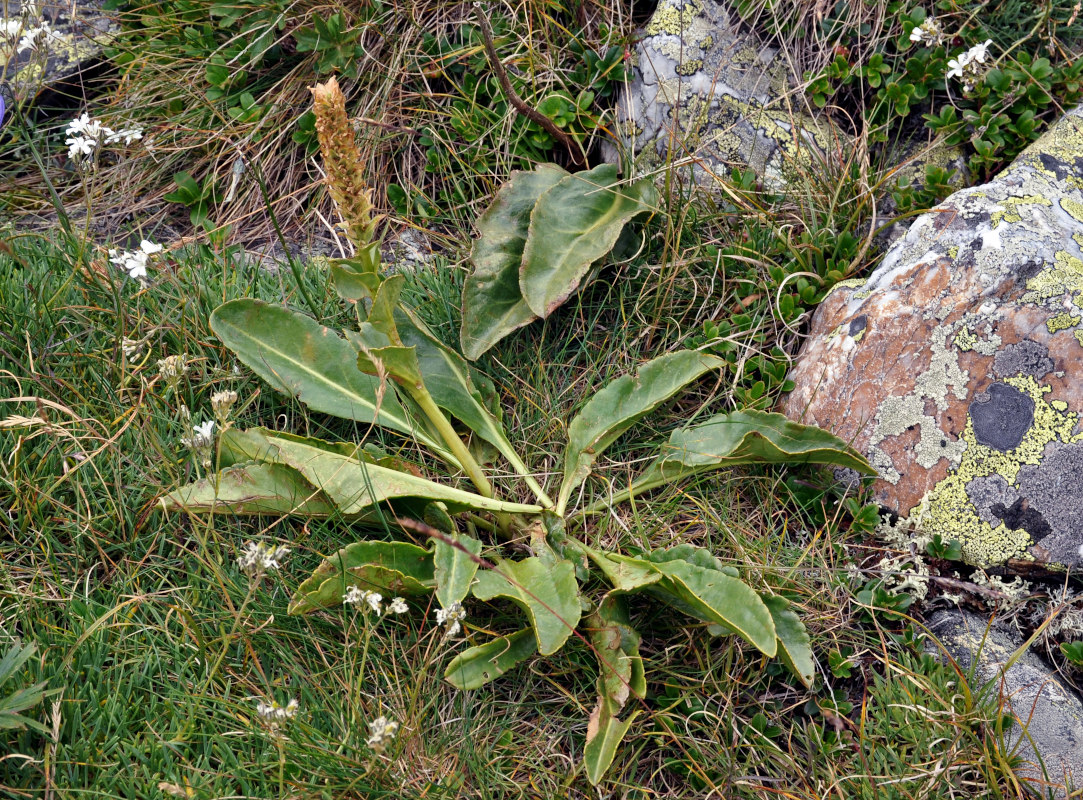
(538, 241)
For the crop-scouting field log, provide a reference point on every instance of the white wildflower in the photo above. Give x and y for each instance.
(381, 731)
(134, 262)
(259, 558)
(957, 65)
(202, 435)
(171, 368)
(273, 712)
(452, 617)
(11, 28)
(39, 38)
(357, 596)
(979, 52)
(78, 125)
(397, 606)
(222, 404)
(129, 135)
(968, 67)
(79, 146)
(928, 34)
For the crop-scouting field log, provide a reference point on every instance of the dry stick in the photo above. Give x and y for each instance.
(578, 157)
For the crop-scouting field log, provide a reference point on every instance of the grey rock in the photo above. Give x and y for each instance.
(1049, 714)
(706, 93)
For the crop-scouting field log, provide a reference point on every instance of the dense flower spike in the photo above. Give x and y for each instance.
(343, 164)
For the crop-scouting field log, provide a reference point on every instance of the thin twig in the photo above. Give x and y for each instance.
(579, 158)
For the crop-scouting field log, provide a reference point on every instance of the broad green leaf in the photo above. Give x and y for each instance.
(382, 313)
(604, 735)
(700, 556)
(493, 306)
(301, 358)
(622, 403)
(745, 437)
(252, 489)
(455, 569)
(617, 647)
(715, 597)
(357, 278)
(573, 224)
(625, 573)
(794, 646)
(400, 363)
(391, 568)
(477, 666)
(354, 485)
(450, 382)
(547, 593)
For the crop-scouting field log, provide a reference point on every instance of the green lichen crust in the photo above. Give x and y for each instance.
(965, 387)
(705, 94)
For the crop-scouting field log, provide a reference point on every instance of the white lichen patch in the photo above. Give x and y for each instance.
(1008, 209)
(898, 414)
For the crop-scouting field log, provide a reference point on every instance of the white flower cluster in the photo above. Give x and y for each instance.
(928, 34)
(202, 436)
(452, 617)
(16, 33)
(273, 712)
(172, 369)
(85, 135)
(222, 404)
(382, 731)
(259, 558)
(969, 67)
(134, 262)
(357, 596)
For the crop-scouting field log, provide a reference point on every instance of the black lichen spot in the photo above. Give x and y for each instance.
(858, 324)
(1061, 168)
(977, 243)
(1020, 517)
(1029, 268)
(1002, 415)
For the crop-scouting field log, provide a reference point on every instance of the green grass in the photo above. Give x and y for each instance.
(161, 648)
(158, 649)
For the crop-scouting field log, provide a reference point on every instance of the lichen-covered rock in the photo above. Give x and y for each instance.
(1049, 710)
(64, 38)
(704, 89)
(957, 366)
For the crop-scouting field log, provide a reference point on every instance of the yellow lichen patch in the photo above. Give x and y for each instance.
(1079, 337)
(1010, 213)
(691, 67)
(672, 20)
(1073, 207)
(953, 252)
(1078, 238)
(1061, 322)
(952, 514)
(1059, 405)
(1064, 277)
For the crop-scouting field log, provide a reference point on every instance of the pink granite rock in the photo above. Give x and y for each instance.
(957, 366)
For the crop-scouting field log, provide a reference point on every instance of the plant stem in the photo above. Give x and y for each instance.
(451, 438)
